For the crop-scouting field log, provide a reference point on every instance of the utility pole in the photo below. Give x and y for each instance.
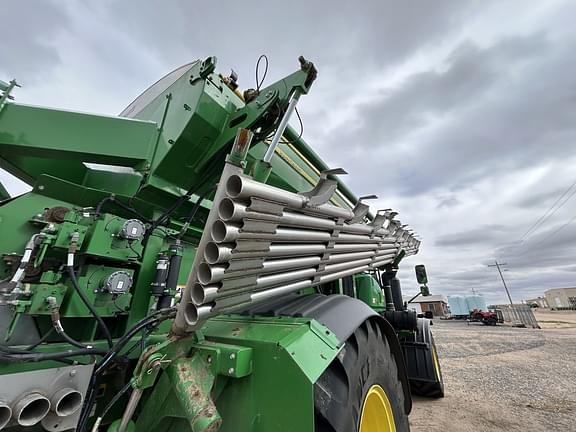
(497, 265)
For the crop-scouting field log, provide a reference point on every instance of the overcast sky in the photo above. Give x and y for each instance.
(459, 114)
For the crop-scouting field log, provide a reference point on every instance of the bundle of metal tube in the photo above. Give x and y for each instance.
(261, 242)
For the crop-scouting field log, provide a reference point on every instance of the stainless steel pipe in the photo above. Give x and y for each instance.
(231, 287)
(289, 248)
(181, 322)
(201, 294)
(258, 282)
(212, 274)
(227, 232)
(194, 314)
(218, 253)
(242, 187)
(5, 414)
(66, 402)
(286, 289)
(208, 274)
(31, 409)
(331, 268)
(231, 211)
(383, 261)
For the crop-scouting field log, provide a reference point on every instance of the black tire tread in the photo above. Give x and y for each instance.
(340, 391)
(433, 390)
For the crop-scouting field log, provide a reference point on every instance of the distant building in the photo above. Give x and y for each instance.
(541, 302)
(561, 297)
(437, 304)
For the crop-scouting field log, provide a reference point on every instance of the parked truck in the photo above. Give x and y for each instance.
(193, 265)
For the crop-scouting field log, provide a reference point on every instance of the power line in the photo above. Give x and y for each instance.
(548, 237)
(556, 232)
(551, 210)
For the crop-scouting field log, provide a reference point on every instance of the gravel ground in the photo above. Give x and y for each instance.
(502, 379)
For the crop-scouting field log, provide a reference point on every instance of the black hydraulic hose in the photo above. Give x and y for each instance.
(40, 341)
(25, 349)
(90, 307)
(112, 402)
(12, 357)
(152, 319)
(113, 199)
(193, 212)
(88, 404)
(69, 339)
(60, 330)
(57, 324)
(196, 187)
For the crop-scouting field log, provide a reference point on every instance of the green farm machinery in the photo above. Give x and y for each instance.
(193, 265)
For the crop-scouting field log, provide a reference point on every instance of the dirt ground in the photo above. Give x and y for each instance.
(503, 378)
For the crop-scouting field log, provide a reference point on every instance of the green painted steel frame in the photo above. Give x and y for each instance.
(259, 371)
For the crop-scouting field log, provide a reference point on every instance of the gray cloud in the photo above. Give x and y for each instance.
(340, 34)
(470, 74)
(478, 236)
(541, 200)
(478, 112)
(26, 32)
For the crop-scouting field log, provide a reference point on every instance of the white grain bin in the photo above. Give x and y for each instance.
(476, 302)
(458, 306)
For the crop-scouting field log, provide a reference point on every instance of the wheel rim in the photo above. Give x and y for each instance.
(377, 414)
(436, 363)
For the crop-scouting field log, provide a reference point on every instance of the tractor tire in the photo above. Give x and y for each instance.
(361, 391)
(429, 388)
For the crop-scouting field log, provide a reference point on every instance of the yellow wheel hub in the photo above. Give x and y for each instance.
(377, 414)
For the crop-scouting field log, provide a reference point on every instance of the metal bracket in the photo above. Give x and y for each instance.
(6, 89)
(245, 264)
(252, 246)
(324, 189)
(205, 68)
(259, 226)
(361, 209)
(265, 206)
(381, 217)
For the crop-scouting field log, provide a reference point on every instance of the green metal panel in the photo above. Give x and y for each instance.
(289, 355)
(368, 290)
(60, 140)
(259, 371)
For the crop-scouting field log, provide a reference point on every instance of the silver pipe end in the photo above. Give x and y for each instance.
(226, 209)
(214, 253)
(66, 402)
(193, 314)
(31, 409)
(222, 232)
(203, 294)
(210, 293)
(204, 273)
(5, 415)
(234, 186)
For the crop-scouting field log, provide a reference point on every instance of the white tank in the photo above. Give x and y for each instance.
(458, 306)
(476, 302)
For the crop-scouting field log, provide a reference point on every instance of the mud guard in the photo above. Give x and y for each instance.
(342, 315)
